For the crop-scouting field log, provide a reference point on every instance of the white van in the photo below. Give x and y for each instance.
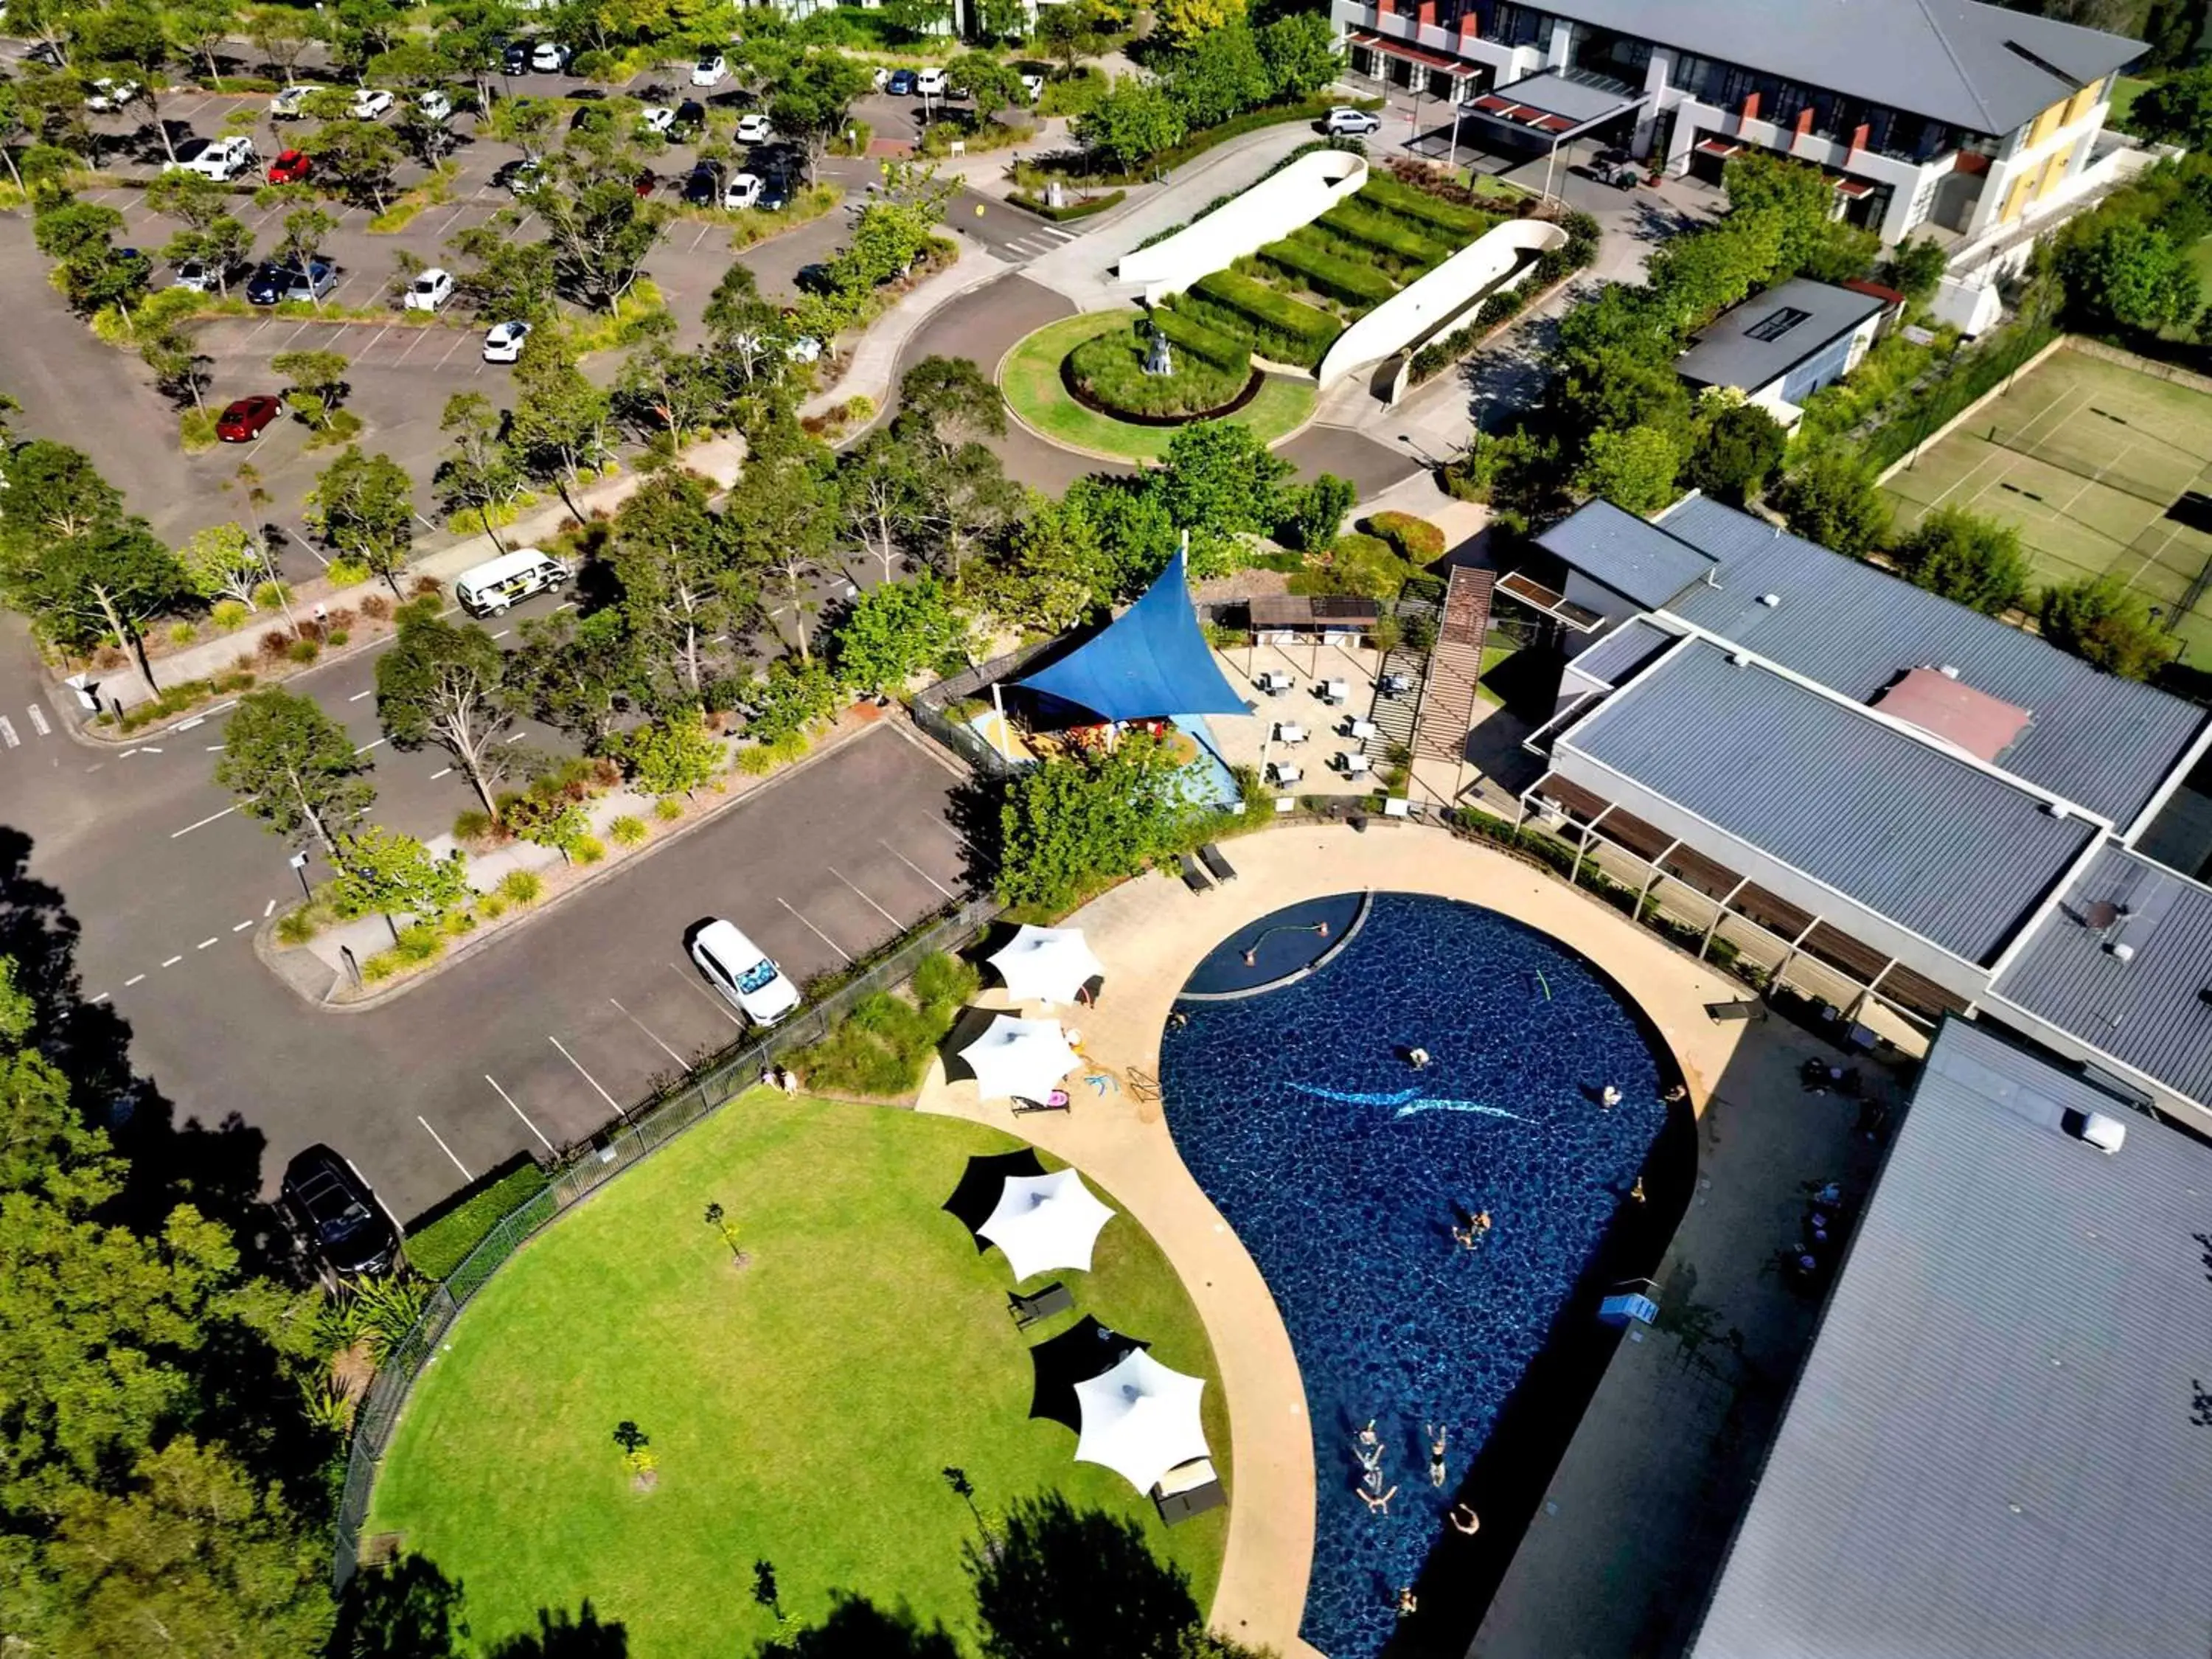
(487, 589)
(745, 973)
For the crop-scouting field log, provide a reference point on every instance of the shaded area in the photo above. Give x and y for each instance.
(1281, 943)
(1061, 1582)
(859, 1629)
(1085, 1350)
(981, 1183)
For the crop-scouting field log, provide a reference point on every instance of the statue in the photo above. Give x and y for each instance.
(1158, 360)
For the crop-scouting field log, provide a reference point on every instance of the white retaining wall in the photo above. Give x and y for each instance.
(1268, 212)
(1409, 317)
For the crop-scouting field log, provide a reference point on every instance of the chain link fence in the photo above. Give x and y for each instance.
(938, 710)
(636, 1134)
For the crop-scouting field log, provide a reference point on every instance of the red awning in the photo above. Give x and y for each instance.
(1853, 188)
(1718, 147)
(1493, 103)
(1553, 123)
(1394, 48)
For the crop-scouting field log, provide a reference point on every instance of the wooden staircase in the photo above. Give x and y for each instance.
(1447, 710)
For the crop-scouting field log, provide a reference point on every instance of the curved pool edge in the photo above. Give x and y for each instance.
(1335, 948)
(1151, 933)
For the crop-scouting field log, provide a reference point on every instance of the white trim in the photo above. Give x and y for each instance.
(2050, 902)
(2167, 790)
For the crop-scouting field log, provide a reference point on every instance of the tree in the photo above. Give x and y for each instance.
(813, 100)
(1316, 513)
(1301, 54)
(296, 768)
(15, 128)
(282, 34)
(304, 230)
(893, 632)
(1917, 268)
(226, 561)
(793, 697)
(559, 424)
(512, 281)
(2176, 109)
(879, 490)
(354, 160)
(672, 755)
(382, 872)
(1219, 76)
(201, 26)
(1132, 124)
(1060, 1582)
(918, 19)
(2106, 622)
(1739, 447)
(478, 471)
(991, 83)
(600, 230)
(1800, 200)
(54, 492)
(1185, 23)
(1963, 556)
(317, 381)
(1219, 481)
(782, 523)
(181, 370)
(444, 684)
(1833, 498)
(364, 506)
(2121, 271)
(2171, 28)
(1070, 32)
(965, 502)
(577, 674)
(108, 582)
(680, 584)
(211, 235)
(1069, 823)
(947, 402)
(668, 394)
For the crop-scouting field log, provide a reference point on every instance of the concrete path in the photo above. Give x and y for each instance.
(872, 373)
(1150, 933)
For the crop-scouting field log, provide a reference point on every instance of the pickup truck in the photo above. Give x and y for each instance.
(220, 159)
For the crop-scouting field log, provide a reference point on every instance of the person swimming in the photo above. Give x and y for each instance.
(1473, 1522)
(1436, 1437)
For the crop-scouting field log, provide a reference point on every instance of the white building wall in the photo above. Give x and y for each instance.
(1270, 210)
(1415, 312)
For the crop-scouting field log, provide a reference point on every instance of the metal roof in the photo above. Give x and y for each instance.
(1616, 656)
(2102, 743)
(2145, 1011)
(1980, 67)
(1990, 1452)
(1939, 845)
(1752, 345)
(1558, 100)
(1628, 554)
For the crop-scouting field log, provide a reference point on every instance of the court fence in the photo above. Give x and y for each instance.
(635, 1134)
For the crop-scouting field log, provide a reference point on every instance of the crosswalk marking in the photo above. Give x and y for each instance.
(39, 719)
(7, 733)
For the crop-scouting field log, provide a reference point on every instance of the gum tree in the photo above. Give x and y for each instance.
(295, 769)
(444, 684)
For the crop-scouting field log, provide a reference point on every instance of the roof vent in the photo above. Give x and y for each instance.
(2102, 914)
(2057, 809)
(2106, 1134)
(1770, 600)
(1948, 671)
(1741, 658)
(2121, 951)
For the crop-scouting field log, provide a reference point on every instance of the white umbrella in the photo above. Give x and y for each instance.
(1047, 1221)
(1022, 1058)
(1046, 965)
(1141, 1419)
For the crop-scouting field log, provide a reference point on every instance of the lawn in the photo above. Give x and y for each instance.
(800, 1410)
(2083, 458)
(1030, 377)
(2125, 91)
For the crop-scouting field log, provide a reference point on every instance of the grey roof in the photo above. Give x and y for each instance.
(1614, 658)
(1726, 354)
(2145, 1012)
(1988, 1454)
(1628, 554)
(2105, 744)
(1939, 845)
(1980, 67)
(1576, 95)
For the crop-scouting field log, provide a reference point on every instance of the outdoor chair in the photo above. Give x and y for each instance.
(1273, 683)
(1741, 1008)
(1397, 685)
(1284, 772)
(1216, 865)
(1192, 876)
(1053, 1298)
(1188, 1489)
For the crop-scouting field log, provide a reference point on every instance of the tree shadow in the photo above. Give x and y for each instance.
(562, 1635)
(408, 1610)
(972, 810)
(858, 1629)
(1057, 1582)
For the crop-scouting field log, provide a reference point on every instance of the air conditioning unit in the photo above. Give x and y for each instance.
(2121, 951)
(1770, 600)
(2106, 1134)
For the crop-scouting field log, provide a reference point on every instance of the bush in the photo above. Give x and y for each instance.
(1385, 232)
(228, 616)
(1415, 540)
(941, 979)
(1365, 565)
(1189, 335)
(1300, 261)
(1110, 367)
(668, 808)
(298, 926)
(342, 571)
(1424, 207)
(521, 886)
(434, 1249)
(1077, 94)
(304, 650)
(418, 943)
(586, 849)
(196, 430)
(1081, 208)
(1278, 326)
(628, 830)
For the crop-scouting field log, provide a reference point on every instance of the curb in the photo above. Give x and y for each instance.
(468, 946)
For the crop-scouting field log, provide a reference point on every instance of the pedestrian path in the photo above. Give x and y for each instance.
(1447, 698)
(35, 725)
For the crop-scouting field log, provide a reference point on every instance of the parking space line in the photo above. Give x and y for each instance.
(132, 981)
(269, 909)
(713, 1001)
(358, 696)
(442, 772)
(588, 1078)
(202, 823)
(375, 743)
(864, 899)
(240, 926)
(451, 348)
(917, 869)
(173, 961)
(647, 1030)
(517, 1110)
(413, 346)
(958, 839)
(442, 1147)
(817, 931)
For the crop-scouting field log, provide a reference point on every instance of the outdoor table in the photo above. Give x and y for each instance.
(1355, 765)
(1289, 732)
(1334, 690)
(1360, 728)
(1286, 774)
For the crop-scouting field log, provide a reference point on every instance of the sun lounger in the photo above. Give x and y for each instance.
(1188, 1489)
(1216, 865)
(1741, 1008)
(1192, 876)
(1041, 1304)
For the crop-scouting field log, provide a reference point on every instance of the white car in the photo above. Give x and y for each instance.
(429, 290)
(194, 278)
(710, 71)
(657, 117)
(370, 102)
(930, 83)
(1033, 85)
(108, 95)
(745, 975)
(503, 344)
(881, 78)
(434, 104)
(291, 104)
(548, 57)
(804, 349)
(1353, 123)
(744, 191)
(754, 130)
(220, 159)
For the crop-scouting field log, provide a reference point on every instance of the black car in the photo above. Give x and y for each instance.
(515, 60)
(268, 283)
(337, 1214)
(690, 116)
(775, 192)
(703, 188)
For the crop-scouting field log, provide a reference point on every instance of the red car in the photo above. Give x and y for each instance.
(290, 167)
(243, 421)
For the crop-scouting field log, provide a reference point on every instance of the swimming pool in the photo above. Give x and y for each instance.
(1344, 1170)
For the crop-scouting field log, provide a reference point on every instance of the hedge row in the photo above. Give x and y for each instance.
(1082, 208)
(1386, 232)
(1380, 191)
(434, 1250)
(1324, 273)
(1188, 334)
(1289, 330)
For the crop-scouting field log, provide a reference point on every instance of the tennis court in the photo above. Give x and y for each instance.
(2101, 468)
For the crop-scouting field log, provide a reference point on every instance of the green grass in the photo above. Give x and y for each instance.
(2083, 457)
(1306, 263)
(799, 1410)
(1459, 223)
(2125, 91)
(1276, 325)
(1110, 367)
(1494, 652)
(1031, 380)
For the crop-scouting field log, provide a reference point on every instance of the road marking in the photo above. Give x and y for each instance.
(132, 981)
(377, 742)
(222, 708)
(358, 696)
(173, 961)
(203, 944)
(126, 754)
(518, 737)
(442, 772)
(855, 886)
(7, 733)
(38, 718)
(240, 926)
(214, 749)
(517, 1110)
(812, 929)
(917, 869)
(269, 909)
(641, 1026)
(451, 348)
(958, 839)
(187, 726)
(149, 748)
(442, 1147)
(202, 823)
(716, 1002)
(588, 1078)
(502, 633)
(101, 997)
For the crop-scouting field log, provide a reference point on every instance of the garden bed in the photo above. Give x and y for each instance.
(1212, 376)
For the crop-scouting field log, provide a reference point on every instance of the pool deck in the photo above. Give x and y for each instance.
(1151, 935)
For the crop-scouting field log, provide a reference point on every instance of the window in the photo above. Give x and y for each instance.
(1767, 330)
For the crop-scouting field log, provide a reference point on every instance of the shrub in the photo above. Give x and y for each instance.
(183, 633)
(587, 850)
(297, 926)
(521, 886)
(668, 808)
(347, 573)
(1078, 94)
(941, 979)
(491, 907)
(1424, 207)
(380, 967)
(1385, 232)
(269, 595)
(1110, 367)
(1365, 565)
(304, 650)
(196, 430)
(477, 830)
(418, 943)
(1278, 326)
(1300, 261)
(376, 606)
(1415, 540)
(228, 616)
(628, 830)
(435, 1248)
(1193, 336)
(1080, 207)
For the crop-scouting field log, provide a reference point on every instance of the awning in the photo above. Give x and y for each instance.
(1394, 48)
(1720, 147)
(1149, 662)
(1275, 611)
(1853, 188)
(1518, 585)
(1557, 103)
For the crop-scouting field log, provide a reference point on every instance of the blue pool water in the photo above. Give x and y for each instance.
(1343, 1171)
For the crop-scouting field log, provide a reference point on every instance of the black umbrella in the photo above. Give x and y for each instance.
(977, 1194)
(1085, 1350)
